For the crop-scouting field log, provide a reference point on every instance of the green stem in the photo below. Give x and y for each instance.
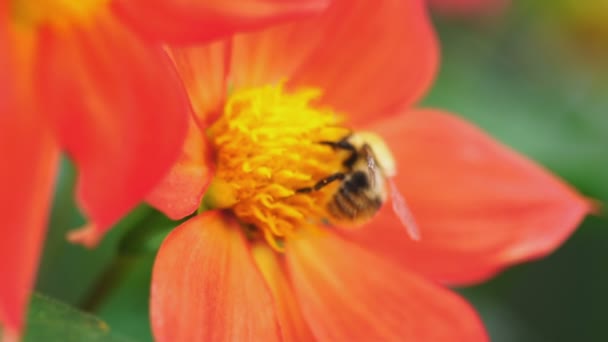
(108, 282)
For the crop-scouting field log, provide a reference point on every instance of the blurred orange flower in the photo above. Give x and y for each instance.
(90, 78)
(270, 258)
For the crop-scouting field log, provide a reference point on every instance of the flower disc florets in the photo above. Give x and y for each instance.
(268, 145)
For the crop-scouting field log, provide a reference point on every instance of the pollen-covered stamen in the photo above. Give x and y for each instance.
(268, 145)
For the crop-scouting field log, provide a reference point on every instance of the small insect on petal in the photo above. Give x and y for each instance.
(403, 212)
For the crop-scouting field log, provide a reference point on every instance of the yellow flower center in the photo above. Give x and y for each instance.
(58, 13)
(269, 146)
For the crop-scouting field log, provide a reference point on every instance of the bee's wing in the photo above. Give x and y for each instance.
(371, 164)
(403, 212)
(371, 169)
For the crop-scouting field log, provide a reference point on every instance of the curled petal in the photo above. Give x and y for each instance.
(205, 286)
(204, 69)
(368, 57)
(349, 294)
(479, 205)
(195, 20)
(118, 108)
(180, 193)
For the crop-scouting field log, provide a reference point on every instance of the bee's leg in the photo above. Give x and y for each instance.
(344, 144)
(322, 183)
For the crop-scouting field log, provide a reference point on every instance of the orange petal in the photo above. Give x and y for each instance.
(205, 286)
(479, 205)
(196, 20)
(367, 56)
(29, 165)
(6, 68)
(349, 294)
(292, 323)
(181, 191)
(118, 108)
(203, 70)
(9, 336)
(27, 185)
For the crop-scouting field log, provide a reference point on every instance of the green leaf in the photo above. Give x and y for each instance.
(68, 271)
(49, 320)
(125, 307)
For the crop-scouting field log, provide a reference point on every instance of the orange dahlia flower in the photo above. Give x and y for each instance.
(272, 166)
(89, 78)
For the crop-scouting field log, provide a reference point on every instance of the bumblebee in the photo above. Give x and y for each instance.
(365, 182)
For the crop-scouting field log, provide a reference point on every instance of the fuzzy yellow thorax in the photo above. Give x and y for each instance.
(267, 145)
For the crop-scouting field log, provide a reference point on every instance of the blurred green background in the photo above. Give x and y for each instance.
(535, 77)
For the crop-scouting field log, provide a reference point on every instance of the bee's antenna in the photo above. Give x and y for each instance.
(403, 212)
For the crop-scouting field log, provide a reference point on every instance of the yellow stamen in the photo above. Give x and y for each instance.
(268, 145)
